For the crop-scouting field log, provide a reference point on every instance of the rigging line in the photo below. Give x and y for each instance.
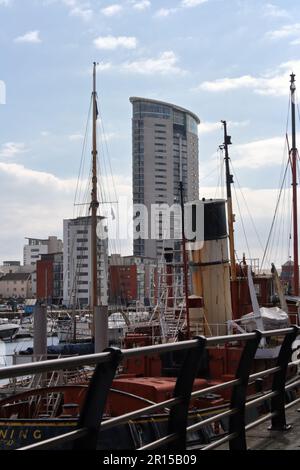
(83, 150)
(210, 173)
(114, 245)
(297, 103)
(103, 170)
(220, 172)
(290, 235)
(78, 267)
(79, 214)
(286, 146)
(222, 169)
(247, 207)
(280, 222)
(242, 222)
(290, 221)
(280, 236)
(107, 150)
(282, 171)
(275, 214)
(281, 182)
(87, 192)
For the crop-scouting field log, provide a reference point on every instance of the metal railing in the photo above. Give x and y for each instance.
(90, 421)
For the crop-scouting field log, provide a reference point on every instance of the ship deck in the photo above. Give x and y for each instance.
(260, 438)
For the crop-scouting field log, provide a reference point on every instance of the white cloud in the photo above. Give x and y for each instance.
(192, 3)
(41, 178)
(113, 42)
(225, 84)
(112, 10)
(75, 137)
(165, 64)
(259, 153)
(5, 3)
(295, 42)
(29, 205)
(83, 13)
(142, 4)
(30, 37)
(261, 201)
(104, 137)
(12, 149)
(275, 12)
(78, 8)
(208, 127)
(103, 66)
(108, 136)
(285, 31)
(164, 12)
(274, 83)
(261, 204)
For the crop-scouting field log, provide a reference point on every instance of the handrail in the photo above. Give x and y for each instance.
(90, 422)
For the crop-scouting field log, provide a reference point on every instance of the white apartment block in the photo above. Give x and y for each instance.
(36, 247)
(77, 263)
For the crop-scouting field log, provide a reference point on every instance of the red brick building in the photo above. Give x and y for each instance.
(132, 279)
(49, 278)
(123, 284)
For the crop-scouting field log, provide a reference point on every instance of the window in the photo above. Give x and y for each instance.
(144, 109)
(179, 118)
(192, 125)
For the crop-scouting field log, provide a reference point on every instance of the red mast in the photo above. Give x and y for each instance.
(294, 153)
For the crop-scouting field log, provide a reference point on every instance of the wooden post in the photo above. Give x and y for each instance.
(40, 331)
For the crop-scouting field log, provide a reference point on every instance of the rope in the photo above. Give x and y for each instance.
(247, 207)
(242, 222)
(274, 217)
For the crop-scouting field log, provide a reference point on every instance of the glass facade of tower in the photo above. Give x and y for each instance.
(164, 148)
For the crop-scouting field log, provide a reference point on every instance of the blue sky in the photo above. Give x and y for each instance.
(222, 59)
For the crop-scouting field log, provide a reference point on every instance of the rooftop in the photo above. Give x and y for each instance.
(15, 277)
(132, 99)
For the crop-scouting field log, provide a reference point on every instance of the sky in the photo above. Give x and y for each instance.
(222, 59)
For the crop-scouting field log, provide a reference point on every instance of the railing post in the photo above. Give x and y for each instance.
(239, 394)
(278, 401)
(95, 400)
(178, 418)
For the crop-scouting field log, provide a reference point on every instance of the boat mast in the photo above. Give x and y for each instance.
(229, 181)
(294, 152)
(94, 202)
